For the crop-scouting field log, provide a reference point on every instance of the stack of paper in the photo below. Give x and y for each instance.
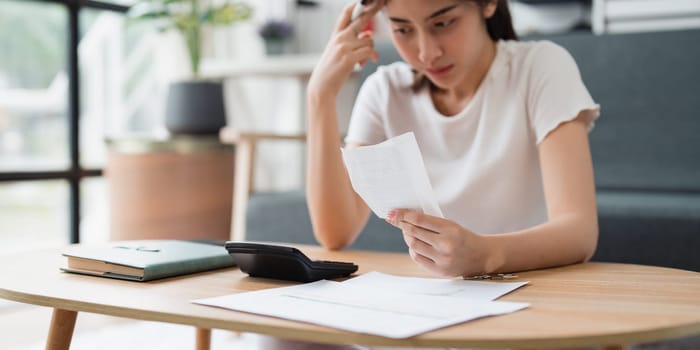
(376, 303)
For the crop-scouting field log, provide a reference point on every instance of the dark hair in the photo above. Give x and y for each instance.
(499, 26)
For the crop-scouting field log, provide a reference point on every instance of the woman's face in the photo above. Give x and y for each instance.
(443, 39)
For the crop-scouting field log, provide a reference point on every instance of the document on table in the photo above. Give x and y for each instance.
(367, 307)
(391, 175)
(474, 290)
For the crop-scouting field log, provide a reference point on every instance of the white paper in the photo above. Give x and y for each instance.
(365, 310)
(391, 175)
(474, 290)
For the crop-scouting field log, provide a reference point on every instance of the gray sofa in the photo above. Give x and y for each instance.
(646, 152)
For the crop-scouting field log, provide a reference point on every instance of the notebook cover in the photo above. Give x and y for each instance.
(156, 258)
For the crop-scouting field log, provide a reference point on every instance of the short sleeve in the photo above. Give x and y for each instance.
(556, 93)
(366, 126)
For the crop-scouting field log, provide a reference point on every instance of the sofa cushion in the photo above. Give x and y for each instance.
(643, 228)
(661, 229)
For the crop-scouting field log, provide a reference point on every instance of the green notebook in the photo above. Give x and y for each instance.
(146, 260)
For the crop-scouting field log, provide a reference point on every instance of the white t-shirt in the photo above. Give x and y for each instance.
(483, 163)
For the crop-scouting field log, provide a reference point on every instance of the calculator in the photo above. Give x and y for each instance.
(284, 263)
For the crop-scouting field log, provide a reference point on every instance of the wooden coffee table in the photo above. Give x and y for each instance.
(592, 304)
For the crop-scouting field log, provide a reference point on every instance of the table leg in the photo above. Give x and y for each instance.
(61, 331)
(604, 347)
(615, 347)
(203, 339)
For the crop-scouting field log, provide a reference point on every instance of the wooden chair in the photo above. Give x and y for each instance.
(246, 144)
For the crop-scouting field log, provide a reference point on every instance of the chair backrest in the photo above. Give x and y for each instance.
(648, 86)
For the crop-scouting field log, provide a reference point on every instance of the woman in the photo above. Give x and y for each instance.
(502, 126)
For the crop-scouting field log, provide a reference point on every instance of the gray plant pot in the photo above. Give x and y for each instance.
(195, 107)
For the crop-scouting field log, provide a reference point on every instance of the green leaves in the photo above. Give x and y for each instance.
(182, 13)
(148, 10)
(186, 22)
(227, 14)
(188, 17)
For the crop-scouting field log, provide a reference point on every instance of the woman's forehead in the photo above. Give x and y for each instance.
(418, 9)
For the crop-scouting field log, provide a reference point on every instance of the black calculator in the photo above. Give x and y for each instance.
(285, 263)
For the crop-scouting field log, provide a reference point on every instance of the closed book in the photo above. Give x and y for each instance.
(146, 260)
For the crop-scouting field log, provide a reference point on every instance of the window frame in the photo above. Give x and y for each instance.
(75, 173)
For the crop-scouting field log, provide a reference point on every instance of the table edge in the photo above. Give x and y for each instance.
(336, 336)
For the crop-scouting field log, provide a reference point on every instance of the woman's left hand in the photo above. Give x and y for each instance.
(440, 245)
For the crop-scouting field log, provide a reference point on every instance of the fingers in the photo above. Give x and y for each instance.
(429, 237)
(428, 222)
(369, 9)
(423, 249)
(345, 18)
(422, 260)
(356, 47)
(362, 41)
(360, 49)
(375, 55)
(426, 244)
(425, 262)
(429, 258)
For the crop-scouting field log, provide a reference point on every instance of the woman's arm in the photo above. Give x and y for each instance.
(337, 213)
(569, 236)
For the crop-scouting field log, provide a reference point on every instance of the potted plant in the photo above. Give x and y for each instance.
(276, 33)
(194, 106)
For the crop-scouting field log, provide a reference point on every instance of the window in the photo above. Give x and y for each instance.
(34, 87)
(33, 214)
(51, 116)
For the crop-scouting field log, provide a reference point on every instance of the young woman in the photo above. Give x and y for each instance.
(502, 126)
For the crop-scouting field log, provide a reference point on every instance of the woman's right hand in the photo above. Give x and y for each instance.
(348, 46)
